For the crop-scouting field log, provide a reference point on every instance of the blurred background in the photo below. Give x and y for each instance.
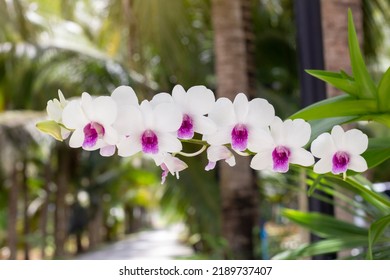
(58, 203)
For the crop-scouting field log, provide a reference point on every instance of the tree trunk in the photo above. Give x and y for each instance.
(61, 217)
(13, 212)
(334, 15)
(239, 193)
(26, 223)
(96, 224)
(45, 208)
(336, 56)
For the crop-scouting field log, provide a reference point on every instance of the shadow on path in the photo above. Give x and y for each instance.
(150, 244)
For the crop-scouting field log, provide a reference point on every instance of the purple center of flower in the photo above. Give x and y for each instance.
(280, 156)
(149, 142)
(340, 162)
(186, 130)
(239, 137)
(92, 132)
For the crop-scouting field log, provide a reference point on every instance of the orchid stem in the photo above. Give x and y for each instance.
(193, 154)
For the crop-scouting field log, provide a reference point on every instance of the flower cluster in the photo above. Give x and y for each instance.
(158, 127)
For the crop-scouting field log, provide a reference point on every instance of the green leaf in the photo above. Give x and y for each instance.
(322, 247)
(50, 127)
(365, 84)
(377, 152)
(376, 230)
(324, 225)
(338, 106)
(384, 91)
(338, 80)
(324, 125)
(315, 184)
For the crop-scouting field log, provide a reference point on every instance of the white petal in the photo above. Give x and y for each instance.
(104, 110)
(210, 165)
(124, 96)
(167, 117)
(216, 153)
(262, 160)
(54, 110)
(324, 165)
(129, 146)
(200, 100)
(72, 116)
(77, 138)
(62, 98)
(110, 135)
(204, 125)
(179, 95)
(129, 121)
(174, 164)
(147, 114)
(221, 137)
(323, 146)
(260, 140)
(223, 112)
(169, 143)
(160, 98)
(277, 131)
(260, 113)
(338, 137)
(297, 132)
(107, 151)
(231, 161)
(241, 107)
(357, 163)
(86, 105)
(302, 157)
(356, 142)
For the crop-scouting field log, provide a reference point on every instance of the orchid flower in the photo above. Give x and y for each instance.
(339, 151)
(282, 145)
(92, 120)
(151, 130)
(54, 110)
(169, 164)
(238, 121)
(193, 105)
(216, 153)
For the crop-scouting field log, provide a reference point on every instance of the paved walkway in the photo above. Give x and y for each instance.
(151, 244)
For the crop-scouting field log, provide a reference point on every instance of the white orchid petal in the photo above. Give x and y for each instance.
(357, 163)
(169, 143)
(302, 157)
(210, 165)
(356, 142)
(54, 110)
(161, 98)
(110, 135)
(73, 117)
(124, 96)
(277, 131)
(298, 132)
(167, 117)
(179, 95)
(231, 161)
(260, 113)
(204, 125)
(241, 107)
(107, 151)
(86, 105)
(129, 121)
(338, 136)
(221, 137)
(62, 98)
(262, 161)
(216, 153)
(174, 164)
(200, 100)
(259, 140)
(324, 165)
(323, 146)
(77, 138)
(104, 110)
(129, 146)
(223, 112)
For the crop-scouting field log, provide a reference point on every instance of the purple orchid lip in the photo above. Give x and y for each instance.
(92, 132)
(280, 157)
(239, 137)
(186, 130)
(340, 162)
(149, 142)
